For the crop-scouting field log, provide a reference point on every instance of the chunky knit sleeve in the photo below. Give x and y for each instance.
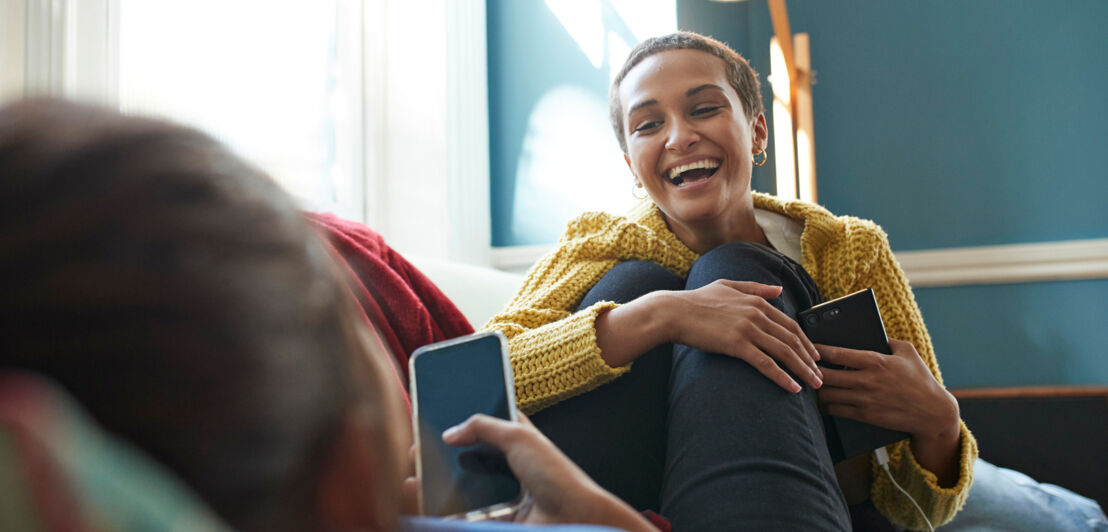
(877, 267)
(553, 346)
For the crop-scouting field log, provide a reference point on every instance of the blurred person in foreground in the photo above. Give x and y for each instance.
(180, 297)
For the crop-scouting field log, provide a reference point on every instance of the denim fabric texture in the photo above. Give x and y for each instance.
(430, 524)
(1006, 500)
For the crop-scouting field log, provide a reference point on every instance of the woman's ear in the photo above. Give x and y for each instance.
(356, 489)
(759, 134)
(635, 179)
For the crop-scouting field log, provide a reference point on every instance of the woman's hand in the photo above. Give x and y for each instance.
(732, 318)
(560, 492)
(736, 319)
(897, 392)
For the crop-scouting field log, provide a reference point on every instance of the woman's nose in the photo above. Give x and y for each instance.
(682, 136)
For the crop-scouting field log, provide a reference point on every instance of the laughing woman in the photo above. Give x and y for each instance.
(659, 351)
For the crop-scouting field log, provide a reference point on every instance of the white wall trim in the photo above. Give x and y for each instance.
(412, 188)
(467, 133)
(518, 258)
(72, 49)
(45, 47)
(374, 100)
(1013, 263)
(13, 44)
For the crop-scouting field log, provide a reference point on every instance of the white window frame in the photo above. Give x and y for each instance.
(423, 182)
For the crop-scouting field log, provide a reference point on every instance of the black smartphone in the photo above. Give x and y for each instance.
(451, 381)
(852, 321)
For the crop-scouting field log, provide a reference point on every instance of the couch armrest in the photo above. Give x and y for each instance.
(1053, 434)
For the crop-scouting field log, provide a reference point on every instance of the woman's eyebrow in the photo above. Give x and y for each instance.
(701, 88)
(640, 105)
(691, 92)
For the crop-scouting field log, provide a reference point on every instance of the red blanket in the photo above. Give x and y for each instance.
(407, 308)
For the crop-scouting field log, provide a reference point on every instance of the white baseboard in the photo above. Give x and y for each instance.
(1014, 263)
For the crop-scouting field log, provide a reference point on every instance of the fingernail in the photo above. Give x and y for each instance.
(451, 431)
(819, 381)
(795, 387)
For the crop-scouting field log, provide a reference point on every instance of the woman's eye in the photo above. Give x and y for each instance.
(701, 111)
(646, 126)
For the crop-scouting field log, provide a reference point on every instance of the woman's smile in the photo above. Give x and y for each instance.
(699, 171)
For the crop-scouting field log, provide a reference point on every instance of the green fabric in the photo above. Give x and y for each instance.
(115, 485)
(127, 491)
(15, 506)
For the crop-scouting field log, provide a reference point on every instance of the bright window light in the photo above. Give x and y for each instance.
(784, 159)
(570, 161)
(278, 81)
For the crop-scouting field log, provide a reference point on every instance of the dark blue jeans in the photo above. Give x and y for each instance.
(705, 439)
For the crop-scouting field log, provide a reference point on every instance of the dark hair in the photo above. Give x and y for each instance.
(178, 294)
(739, 73)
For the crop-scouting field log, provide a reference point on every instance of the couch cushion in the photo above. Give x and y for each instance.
(478, 292)
(1054, 434)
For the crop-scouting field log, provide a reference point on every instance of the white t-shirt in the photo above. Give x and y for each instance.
(782, 232)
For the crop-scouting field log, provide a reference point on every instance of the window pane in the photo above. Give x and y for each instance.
(278, 81)
(552, 154)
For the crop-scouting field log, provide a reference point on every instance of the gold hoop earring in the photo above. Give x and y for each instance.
(638, 185)
(764, 157)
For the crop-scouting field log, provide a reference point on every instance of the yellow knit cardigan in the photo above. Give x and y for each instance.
(555, 356)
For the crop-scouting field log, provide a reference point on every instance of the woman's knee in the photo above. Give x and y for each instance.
(738, 257)
(630, 280)
(749, 261)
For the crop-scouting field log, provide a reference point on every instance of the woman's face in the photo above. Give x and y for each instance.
(688, 140)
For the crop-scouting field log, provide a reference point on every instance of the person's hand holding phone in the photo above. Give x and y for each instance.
(898, 392)
(558, 491)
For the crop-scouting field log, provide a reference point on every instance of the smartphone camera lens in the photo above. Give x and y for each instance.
(831, 314)
(811, 319)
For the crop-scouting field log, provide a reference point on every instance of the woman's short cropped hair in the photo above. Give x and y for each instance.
(739, 73)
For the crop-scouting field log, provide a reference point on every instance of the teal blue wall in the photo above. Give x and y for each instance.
(962, 123)
(529, 54)
(1019, 334)
(953, 123)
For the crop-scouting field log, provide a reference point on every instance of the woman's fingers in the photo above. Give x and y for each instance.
(735, 318)
(409, 496)
(845, 378)
(794, 329)
(789, 356)
(765, 291)
(481, 428)
(851, 358)
(794, 338)
(795, 335)
(835, 395)
(768, 367)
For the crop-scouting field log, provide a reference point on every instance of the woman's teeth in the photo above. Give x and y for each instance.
(680, 175)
